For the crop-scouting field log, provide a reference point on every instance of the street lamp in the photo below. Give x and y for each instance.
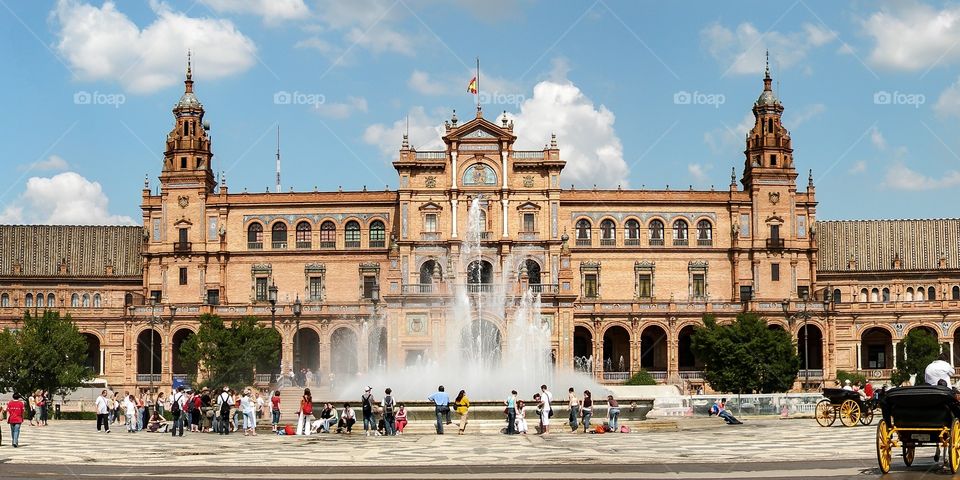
(272, 292)
(803, 314)
(297, 310)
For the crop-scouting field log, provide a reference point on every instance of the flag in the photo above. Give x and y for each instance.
(472, 87)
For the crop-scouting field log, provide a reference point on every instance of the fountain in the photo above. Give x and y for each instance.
(493, 342)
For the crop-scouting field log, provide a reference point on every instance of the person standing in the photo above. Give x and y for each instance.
(511, 403)
(225, 403)
(258, 402)
(366, 408)
(275, 409)
(32, 412)
(160, 401)
(462, 404)
(613, 413)
(574, 410)
(176, 411)
(248, 405)
(547, 398)
(15, 409)
(103, 412)
(441, 402)
(587, 410)
(305, 418)
(389, 419)
(130, 410)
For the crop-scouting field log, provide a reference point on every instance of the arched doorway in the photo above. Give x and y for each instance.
(480, 276)
(93, 354)
(930, 331)
(178, 365)
(481, 342)
(686, 360)
(144, 353)
(582, 349)
(377, 349)
(429, 270)
(533, 272)
(343, 351)
(653, 352)
(616, 350)
(306, 350)
(810, 339)
(876, 349)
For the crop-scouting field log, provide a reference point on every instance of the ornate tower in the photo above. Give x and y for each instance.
(186, 160)
(769, 155)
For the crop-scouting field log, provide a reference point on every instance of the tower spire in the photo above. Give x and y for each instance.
(767, 81)
(188, 83)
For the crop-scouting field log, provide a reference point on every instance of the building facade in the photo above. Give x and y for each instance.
(624, 276)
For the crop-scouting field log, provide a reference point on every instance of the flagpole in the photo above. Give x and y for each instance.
(478, 85)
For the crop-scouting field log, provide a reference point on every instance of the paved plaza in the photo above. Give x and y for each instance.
(692, 448)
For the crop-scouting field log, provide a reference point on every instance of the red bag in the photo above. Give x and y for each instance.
(288, 430)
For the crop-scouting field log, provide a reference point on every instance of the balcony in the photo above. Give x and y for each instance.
(692, 375)
(254, 245)
(608, 242)
(378, 243)
(704, 242)
(328, 244)
(418, 288)
(148, 378)
(485, 235)
(631, 242)
(616, 376)
(584, 242)
(811, 373)
(182, 247)
(278, 244)
(775, 243)
(352, 244)
(304, 245)
(480, 287)
(658, 376)
(262, 378)
(680, 242)
(545, 288)
(656, 242)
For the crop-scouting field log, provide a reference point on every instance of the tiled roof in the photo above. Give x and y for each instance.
(87, 250)
(874, 244)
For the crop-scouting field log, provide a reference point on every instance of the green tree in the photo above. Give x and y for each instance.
(919, 349)
(229, 354)
(642, 377)
(47, 353)
(843, 376)
(745, 356)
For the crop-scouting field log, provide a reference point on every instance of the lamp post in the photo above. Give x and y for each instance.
(805, 315)
(272, 292)
(297, 310)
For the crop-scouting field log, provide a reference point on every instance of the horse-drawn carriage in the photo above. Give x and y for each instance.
(846, 405)
(919, 416)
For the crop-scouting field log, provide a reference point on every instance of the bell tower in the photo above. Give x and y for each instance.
(769, 155)
(186, 160)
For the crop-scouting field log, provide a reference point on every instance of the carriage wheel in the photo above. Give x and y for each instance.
(849, 413)
(908, 455)
(867, 417)
(954, 448)
(884, 446)
(825, 413)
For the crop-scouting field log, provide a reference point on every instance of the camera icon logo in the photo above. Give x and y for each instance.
(882, 97)
(282, 98)
(682, 97)
(82, 98)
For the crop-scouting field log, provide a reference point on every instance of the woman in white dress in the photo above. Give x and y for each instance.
(521, 418)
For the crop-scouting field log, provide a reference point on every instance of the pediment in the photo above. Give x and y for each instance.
(528, 206)
(431, 206)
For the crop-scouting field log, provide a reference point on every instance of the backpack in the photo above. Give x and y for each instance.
(175, 406)
(388, 405)
(714, 409)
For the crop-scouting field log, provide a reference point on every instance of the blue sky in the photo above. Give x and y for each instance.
(871, 93)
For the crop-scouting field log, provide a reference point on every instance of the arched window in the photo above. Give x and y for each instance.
(704, 233)
(931, 293)
(303, 234)
(908, 296)
(351, 234)
(875, 295)
(4, 300)
(837, 297)
(74, 300)
(255, 236)
(920, 294)
(583, 232)
(863, 295)
(279, 235)
(40, 302)
(608, 235)
(328, 235)
(96, 300)
(28, 300)
(631, 232)
(86, 300)
(886, 295)
(656, 232)
(956, 293)
(378, 234)
(51, 300)
(680, 232)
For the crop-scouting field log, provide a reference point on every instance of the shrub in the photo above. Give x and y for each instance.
(843, 376)
(642, 377)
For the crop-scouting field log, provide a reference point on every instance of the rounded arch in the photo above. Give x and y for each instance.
(177, 363)
(955, 292)
(85, 300)
(655, 229)
(479, 173)
(686, 360)
(582, 348)
(863, 295)
(328, 234)
(306, 349)
(481, 342)
(931, 293)
(608, 229)
(428, 270)
(255, 234)
(616, 349)
(930, 329)
(908, 294)
(278, 234)
(876, 348)
(810, 342)
(776, 326)
(377, 234)
(149, 353)
(874, 294)
(97, 299)
(681, 229)
(41, 300)
(631, 229)
(52, 300)
(92, 360)
(304, 234)
(343, 351)
(4, 299)
(583, 230)
(653, 347)
(480, 272)
(377, 348)
(533, 271)
(28, 300)
(75, 299)
(704, 230)
(351, 234)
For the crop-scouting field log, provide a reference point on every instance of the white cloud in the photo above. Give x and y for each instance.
(742, 51)
(272, 11)
(948, 104)
(914, 36)
(382, 40)
(104, 44)
(421, 82)
(901, 177)
(588, 142)
(318, 44)
(727, 140)
(341, 110)
(343, 28)
(53, 162)
(425, 133)
(805, 113)
(64, 199)
(698, 172)
(860, 166)
(877, 139)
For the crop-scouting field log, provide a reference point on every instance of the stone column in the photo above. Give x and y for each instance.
(453, 170)
(952, 363)
(894, 363)
(506, 224)
(859, 357)
(453, 212)
(503, 163)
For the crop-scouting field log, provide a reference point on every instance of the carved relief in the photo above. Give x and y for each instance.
(430, 182)
(183, 201)
(528, 181)
(774, 197)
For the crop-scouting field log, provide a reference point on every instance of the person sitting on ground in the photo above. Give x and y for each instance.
(157, 423)
(939, 369)
(328, 418)
(347, 418)
(521, 422)
(719, 409)
(401, 418)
